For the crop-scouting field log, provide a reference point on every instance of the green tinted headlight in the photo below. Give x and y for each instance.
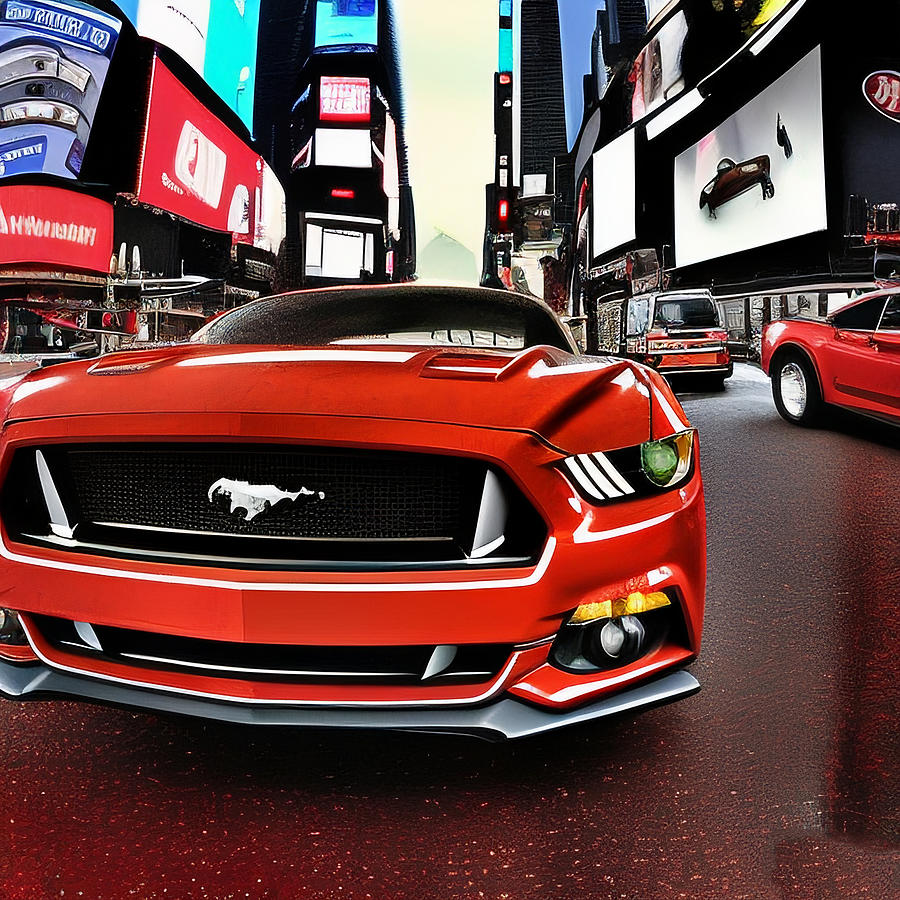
(666, 462)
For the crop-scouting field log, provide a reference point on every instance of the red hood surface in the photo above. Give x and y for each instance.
(576, 404)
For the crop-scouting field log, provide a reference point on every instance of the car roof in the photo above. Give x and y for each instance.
(435, 304)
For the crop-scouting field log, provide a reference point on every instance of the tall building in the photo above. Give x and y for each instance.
(543, 109)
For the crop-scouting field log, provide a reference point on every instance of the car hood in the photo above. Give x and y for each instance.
(578, 404)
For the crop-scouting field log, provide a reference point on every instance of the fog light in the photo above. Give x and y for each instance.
(622, 637)
(611, 634)
(11, 631)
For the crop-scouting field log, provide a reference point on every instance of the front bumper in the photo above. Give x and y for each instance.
(501, 720)
(593, 553)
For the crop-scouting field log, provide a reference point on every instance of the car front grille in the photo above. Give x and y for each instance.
(400, 665)
(366, 495)
(267, 506)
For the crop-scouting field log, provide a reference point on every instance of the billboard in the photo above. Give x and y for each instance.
(613, 200)
(346, 22)
(217, 38)
(53, 227)
(54, 57)
(344, 99)
(758, 178)
(194, 166)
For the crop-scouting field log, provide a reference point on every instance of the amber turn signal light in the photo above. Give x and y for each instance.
(626, 606)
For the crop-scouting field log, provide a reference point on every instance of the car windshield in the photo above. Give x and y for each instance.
(693, 311)
(468, 317)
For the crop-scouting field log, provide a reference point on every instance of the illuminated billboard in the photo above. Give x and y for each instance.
(194, 166)
(56, 228)
(346, 23)
(344, 99)
(217, 38)
(613, 207)
(54, 57)
(759, 177)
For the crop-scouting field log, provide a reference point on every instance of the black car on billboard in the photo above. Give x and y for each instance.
(733, 179)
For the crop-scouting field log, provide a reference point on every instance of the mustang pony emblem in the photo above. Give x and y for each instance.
(255, 498)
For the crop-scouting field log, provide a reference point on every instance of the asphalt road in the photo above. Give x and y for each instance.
(779, 780)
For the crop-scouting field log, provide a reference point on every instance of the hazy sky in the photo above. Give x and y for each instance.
(449, 56)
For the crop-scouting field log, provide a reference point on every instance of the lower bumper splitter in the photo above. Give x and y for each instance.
(504, 719)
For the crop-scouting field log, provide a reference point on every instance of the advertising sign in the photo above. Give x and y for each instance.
(614, 206)
(54, 227)
(882, 90)
(344, 99)
(54, 57)
(194, 166)
(758, 178)
(217, 38)
(346, 22)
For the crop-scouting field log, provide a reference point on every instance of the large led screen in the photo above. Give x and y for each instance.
(613, 209)
(54, 57)
(194, 166)
(759, 177)
(218, 38)
(346, 22)
(54, 227)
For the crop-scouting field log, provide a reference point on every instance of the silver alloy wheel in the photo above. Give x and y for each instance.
(793, 390)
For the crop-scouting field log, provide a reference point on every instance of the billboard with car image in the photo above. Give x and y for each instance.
(759, 177)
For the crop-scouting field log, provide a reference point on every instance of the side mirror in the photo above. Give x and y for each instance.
(886, 265)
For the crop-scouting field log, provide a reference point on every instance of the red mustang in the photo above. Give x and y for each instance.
(400, 507)
(852, 359)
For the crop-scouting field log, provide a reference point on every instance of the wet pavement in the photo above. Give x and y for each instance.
(779, 780)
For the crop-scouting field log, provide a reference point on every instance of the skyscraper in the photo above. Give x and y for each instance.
(543, 100)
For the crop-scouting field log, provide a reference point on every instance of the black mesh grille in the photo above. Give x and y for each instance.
(366, 509)
(366, 494)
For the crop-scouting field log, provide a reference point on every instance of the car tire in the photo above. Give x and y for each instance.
(795, 389)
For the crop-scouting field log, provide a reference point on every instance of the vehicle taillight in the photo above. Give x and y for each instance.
(343, 193)
(503, 211)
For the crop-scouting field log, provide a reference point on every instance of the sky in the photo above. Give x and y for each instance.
(577, 19)
(448, 57)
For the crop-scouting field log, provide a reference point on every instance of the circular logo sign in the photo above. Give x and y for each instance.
(882, 90)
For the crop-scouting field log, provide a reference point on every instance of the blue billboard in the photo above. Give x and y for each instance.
(346, 23)
(54, 58)
(217, 38)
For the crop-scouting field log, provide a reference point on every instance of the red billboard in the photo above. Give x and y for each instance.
(54, 227)
(344, 99)
(192, 164)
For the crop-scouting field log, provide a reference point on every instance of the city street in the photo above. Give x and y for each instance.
(780, 779)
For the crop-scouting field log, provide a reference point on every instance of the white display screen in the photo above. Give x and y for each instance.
(758, 178)
(338, 252)
(613, 206)
(350, 148)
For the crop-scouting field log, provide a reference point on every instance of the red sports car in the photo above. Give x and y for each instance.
(403, 507)
(852, 359)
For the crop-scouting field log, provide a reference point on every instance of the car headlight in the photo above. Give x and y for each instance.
(646, 469)
(667, 462)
